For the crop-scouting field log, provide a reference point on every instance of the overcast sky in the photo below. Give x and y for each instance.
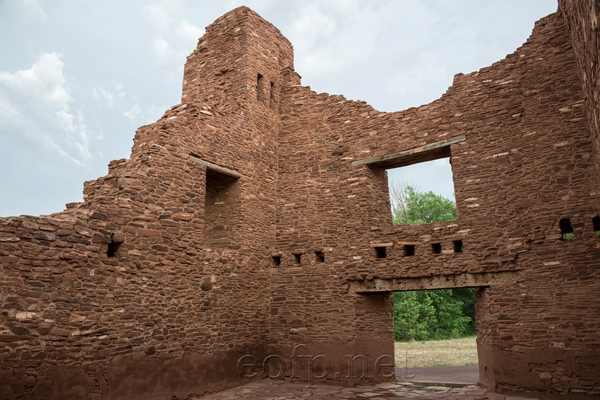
(77, 77)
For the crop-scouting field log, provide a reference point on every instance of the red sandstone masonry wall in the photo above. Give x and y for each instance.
(145, 290)
(527, 162)
(581, 17)
(166, 315)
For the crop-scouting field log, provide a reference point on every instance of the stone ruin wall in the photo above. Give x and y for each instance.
(146, 290)
(526, 163)
(177, 304)
(582, 18)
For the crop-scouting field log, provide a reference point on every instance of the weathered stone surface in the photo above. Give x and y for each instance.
(171, 269)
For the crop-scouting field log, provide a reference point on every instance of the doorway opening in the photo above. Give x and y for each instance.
(435, 332)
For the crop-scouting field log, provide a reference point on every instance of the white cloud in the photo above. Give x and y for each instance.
(169, 59)
(102, 94)
(161, 14)
(311, 27)
(162, 48)
(44, 80)
(34, 9)
(189, 33)
(9, 115)
(312, 24)
(109, 95)
(329, 37)
(118, 86)
(65, 120)
(133, 113)
(174, 37)
(83, 144)
(37, 101)
(157, 14)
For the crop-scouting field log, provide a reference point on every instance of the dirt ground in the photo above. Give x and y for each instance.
(436, 352)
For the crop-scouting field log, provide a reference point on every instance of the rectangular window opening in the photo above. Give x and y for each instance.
(276, 260)
(409, 250)
(458, 246)
(319, 256)
(380, 252)
(297, 258)
(436, 248)
(430, 200)
(596, 224)
(221, 209)
(566, 229)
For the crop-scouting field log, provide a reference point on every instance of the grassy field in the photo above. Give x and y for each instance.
(436, 352)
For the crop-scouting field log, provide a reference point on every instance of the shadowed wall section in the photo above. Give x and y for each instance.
(583, 20)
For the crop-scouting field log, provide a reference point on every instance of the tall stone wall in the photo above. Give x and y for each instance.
(158, 283)
(522, 160)
(253, 220)
(582, 17)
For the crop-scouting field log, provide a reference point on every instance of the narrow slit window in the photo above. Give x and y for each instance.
(458, 246)
(436, 248)
(259, 87)
(113, 248)
(319, 256)
(297, 258)
(409, 250)
(566, 229)
(264, 89)
(596, 223)
(276, 260)
(272, 96)
(380, 252)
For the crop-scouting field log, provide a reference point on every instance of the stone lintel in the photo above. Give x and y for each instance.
(463, 280)
(428, 152)
(405, 243)
(218, 168)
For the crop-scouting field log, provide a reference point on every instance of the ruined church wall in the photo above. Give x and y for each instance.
(526, 163)
(582, 18)
(163, 316)
(170, 270)
(183, 295)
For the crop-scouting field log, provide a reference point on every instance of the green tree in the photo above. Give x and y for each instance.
(414, 316)
(466, 296)
(410, 206)
(431, 315)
